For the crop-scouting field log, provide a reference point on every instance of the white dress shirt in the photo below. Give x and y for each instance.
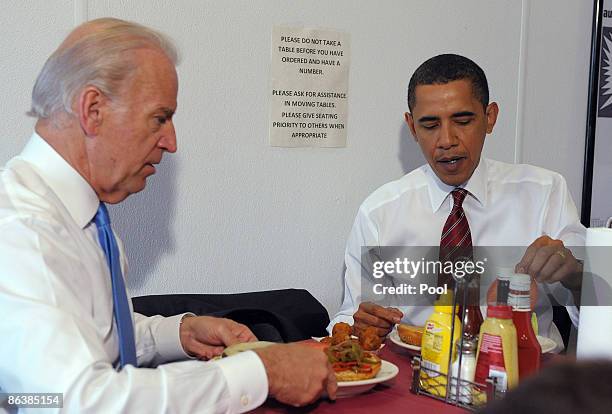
(57, 331)
(507, 205)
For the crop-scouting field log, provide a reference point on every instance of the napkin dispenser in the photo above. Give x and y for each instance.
(595, 326)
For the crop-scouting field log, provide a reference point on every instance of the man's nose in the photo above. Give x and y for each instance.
(447, 137)
(168, 141)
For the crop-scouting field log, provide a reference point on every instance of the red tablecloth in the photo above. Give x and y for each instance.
(394, 397)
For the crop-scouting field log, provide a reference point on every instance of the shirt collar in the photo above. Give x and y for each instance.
(476, 186)
(71, 188)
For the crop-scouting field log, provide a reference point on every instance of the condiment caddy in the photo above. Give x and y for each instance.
(482, 367)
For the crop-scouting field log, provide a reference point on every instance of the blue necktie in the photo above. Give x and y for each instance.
(121, 308)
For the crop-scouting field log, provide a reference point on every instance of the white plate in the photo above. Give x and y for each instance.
(348, 388)
(395, 338)
(546, 344)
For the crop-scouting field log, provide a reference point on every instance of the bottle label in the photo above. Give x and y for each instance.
(433, 338)
(491, 361)
(432, 349)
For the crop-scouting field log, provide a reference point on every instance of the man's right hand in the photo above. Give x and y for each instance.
(371, 314)
(298, 374)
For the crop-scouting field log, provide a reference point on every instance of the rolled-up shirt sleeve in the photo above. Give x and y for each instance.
(158, 340)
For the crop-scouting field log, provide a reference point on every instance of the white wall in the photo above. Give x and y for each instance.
(556, 85)
(229, 213)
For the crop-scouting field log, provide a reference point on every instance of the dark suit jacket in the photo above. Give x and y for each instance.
(294, 313)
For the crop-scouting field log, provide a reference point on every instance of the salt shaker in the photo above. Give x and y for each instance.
(467, 348)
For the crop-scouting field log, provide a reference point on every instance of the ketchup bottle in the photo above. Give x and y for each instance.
(529, 349)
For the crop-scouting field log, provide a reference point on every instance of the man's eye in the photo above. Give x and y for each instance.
(463, 121)
(161, 119)
(429, 126)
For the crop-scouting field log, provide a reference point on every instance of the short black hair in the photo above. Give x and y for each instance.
(446, 68)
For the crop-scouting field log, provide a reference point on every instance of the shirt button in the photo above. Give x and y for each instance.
(244, 400)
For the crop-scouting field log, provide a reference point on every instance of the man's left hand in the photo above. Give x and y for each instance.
(205, 337)
(548, 260)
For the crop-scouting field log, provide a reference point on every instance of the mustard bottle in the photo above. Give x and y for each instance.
(436, 347)
(497, 355)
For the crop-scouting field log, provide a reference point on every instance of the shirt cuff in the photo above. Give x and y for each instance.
(168, 340)
(247, 392)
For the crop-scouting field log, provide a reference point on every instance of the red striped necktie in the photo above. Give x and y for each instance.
(456, 245)
(456, 240)
(456, 236)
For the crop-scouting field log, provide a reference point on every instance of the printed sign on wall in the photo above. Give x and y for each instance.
(309, 87)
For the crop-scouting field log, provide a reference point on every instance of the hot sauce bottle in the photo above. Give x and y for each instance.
(498, 291)
(473, 317)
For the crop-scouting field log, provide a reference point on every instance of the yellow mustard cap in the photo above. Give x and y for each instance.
(444, 304)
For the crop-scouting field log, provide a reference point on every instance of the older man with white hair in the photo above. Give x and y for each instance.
(105, 100)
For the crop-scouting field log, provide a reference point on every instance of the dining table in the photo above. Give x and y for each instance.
(391, 397)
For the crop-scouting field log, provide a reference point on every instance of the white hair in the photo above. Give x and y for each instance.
(97, 58)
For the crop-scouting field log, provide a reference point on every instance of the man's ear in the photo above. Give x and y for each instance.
(89, 109)
(410, 121)
(491, 112)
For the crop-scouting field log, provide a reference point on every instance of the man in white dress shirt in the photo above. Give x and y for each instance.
(506, 205)
(104, 102)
